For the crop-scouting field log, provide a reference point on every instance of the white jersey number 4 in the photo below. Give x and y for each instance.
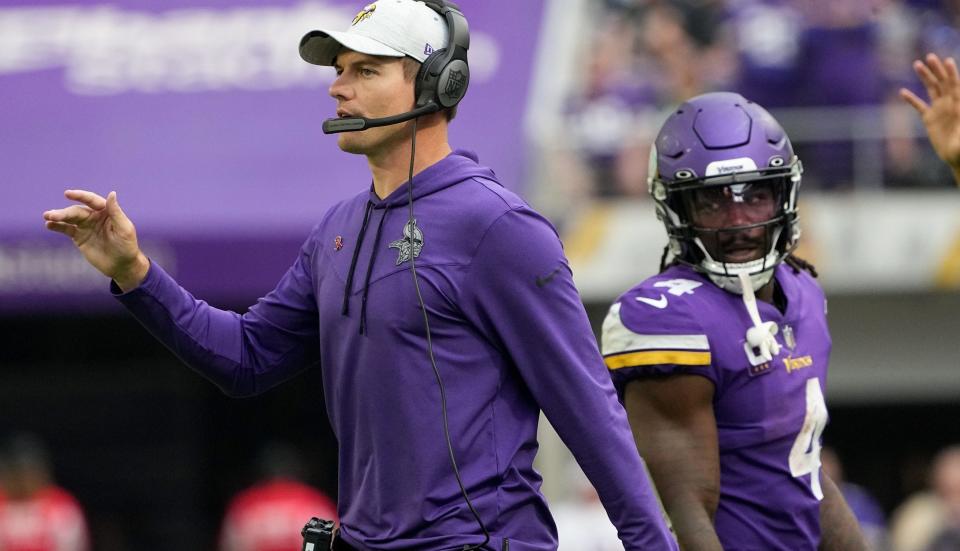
(805, 454)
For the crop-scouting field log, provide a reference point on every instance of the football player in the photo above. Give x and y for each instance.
(721, 358)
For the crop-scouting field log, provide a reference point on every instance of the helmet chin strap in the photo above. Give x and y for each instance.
(733, 284)
(727, 275)
(762, 336)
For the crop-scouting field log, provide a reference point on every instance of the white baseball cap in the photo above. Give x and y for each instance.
(392, 28)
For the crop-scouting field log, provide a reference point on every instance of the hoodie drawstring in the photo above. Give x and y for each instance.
(366, 280)
(353, 262)
(762, 335)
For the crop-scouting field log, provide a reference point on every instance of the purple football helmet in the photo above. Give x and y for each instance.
(720, 153)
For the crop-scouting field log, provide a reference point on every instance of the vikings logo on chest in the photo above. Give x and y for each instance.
(411, 244)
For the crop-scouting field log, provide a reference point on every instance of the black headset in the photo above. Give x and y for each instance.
(445, 74)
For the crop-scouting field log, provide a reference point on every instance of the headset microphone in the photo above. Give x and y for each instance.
(355, 124)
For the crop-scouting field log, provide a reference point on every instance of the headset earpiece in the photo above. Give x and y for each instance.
(444, 76)
(441, 81)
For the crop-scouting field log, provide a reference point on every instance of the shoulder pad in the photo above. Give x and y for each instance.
(639, 331)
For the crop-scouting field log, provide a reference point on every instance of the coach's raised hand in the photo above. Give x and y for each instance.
(104, 234)
(942, 115)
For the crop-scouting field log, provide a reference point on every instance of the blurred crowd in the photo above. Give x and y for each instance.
(37, 514)
(269, 514)
(929, 520)
(829, 70)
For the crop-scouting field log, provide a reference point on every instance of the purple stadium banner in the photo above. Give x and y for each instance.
(204, 119)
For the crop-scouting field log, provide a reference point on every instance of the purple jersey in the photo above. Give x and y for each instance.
(770, 415)
(510, 337)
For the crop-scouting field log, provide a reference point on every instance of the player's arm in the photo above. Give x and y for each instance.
(941, 116)
(675, 430)
(839, 529)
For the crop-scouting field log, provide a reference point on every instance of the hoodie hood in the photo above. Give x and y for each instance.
(458, 166)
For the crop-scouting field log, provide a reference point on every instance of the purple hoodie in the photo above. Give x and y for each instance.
(510, 337)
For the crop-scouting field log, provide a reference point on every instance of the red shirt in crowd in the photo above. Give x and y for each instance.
(51, 520)
(269, 516)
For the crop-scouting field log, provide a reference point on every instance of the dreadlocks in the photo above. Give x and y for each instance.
(798, 264)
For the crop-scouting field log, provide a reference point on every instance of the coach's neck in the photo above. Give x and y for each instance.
(390, 168)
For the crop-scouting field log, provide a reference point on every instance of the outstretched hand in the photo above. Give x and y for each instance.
(942, 115)
(104, 235)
